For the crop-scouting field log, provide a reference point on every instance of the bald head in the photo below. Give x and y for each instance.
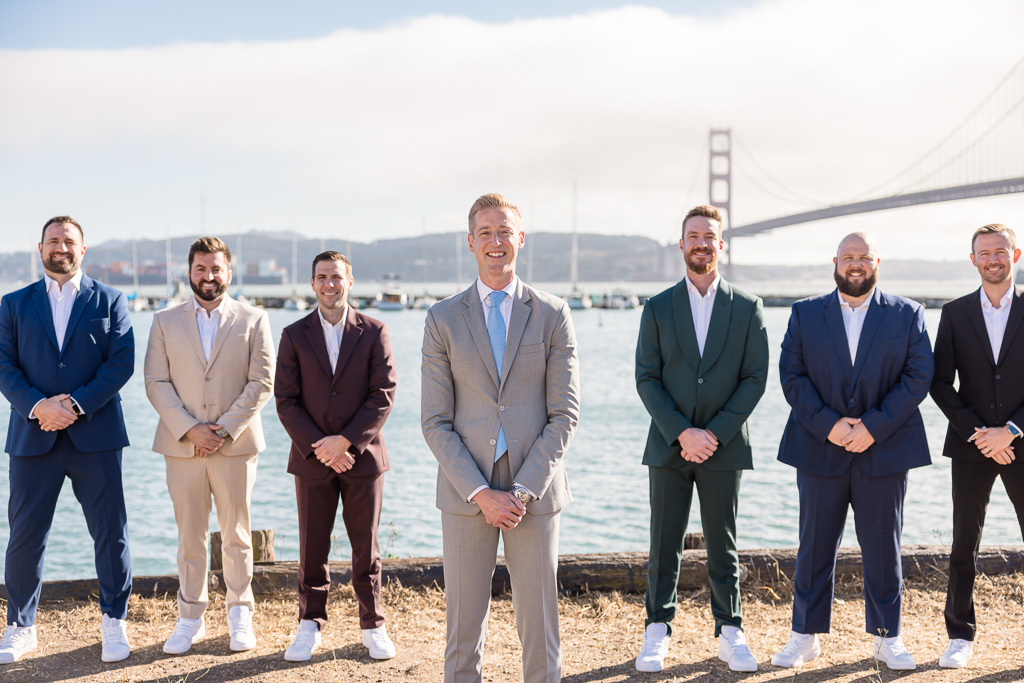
(856, 260)
(860, 242)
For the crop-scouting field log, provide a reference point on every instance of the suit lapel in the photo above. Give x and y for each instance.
(977, 319)
(85, 293)
(872, 319)
(474, 316)
(191, 327)
(42, 302)
(351, 332)
(837, 330)
(521, 309)
(686, 334)
(1012, 323)
(718, 326)
(315, 337)
(228, 316)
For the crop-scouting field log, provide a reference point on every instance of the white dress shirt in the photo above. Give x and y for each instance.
(332, 335)
(853, 320)
(61, 301)
(506, 305)
(995, 318)
(702, 307)
(208, 323)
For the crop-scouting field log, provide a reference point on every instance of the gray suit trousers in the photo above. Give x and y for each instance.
(531, 555)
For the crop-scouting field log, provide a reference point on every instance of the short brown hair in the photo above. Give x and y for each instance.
(332, 256)
(493, 200)
(60, 220)
(209, 245)
(707, 211)
(995, 229)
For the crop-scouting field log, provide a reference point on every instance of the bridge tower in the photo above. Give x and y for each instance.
(720, 183)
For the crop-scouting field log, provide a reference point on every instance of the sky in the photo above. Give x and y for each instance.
(364, 121)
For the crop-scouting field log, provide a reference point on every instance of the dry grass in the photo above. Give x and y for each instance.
(601, 634)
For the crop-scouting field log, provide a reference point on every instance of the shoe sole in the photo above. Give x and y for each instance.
(109, 660)
(798, 662)
(298, 659)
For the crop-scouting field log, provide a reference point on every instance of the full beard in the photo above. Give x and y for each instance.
(852, 289)
(213, 295)
(701, 268)
(64, 267)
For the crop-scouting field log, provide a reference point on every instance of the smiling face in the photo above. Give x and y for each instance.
(496, 239)
(994, 258)
(331, 283)
(856, 262)
(209, 275)
(62, 249)
(701, 244)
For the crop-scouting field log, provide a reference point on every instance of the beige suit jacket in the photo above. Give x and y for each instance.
(537, 400)
(230, 390)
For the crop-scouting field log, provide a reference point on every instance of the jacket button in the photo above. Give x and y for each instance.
(501, 409)
(998, 377)
(334, 393)
(60, 365)
(992, 406)
(852, 401)
(209, 379)
(494, 442)
(700, 381)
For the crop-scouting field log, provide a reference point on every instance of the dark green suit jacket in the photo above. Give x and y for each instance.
(716, 392)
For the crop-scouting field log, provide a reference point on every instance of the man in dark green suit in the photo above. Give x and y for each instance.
(701, 365)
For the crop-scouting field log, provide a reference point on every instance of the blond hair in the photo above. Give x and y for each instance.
(493, 200)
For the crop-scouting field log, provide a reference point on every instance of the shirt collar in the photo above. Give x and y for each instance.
(218, 310)
(1006, 298)
(485, 292)
(327, 323)
(713, 287)
(75, 282)
(858, 309)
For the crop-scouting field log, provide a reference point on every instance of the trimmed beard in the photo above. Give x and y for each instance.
(852, 290)
(699, 268)
(61, 267)
(211, 296)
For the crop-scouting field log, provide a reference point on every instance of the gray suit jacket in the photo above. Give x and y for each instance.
(537, 400)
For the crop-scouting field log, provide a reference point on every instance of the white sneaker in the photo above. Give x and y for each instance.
(893, 653)
(186, 632)
(801, 648)
(377, 642)
(957, 654)
(240, 628)
(733, 650)
(17, 641)
(114, 634)
(307, 639)
(655, 649)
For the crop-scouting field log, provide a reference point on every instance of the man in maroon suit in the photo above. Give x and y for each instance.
(335, 386)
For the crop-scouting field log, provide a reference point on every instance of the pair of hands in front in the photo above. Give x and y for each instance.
(501, 508)
(994, 442)
(851, 434)
(55, 413)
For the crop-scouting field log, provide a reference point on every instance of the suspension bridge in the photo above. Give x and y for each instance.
(982, 156)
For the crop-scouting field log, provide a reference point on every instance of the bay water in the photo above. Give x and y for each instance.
(610, 512)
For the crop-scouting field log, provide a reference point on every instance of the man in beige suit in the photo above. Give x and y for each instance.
(500, 404)
(208, 373)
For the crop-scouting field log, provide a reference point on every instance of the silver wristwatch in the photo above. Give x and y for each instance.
(521, 493)
(222, 433)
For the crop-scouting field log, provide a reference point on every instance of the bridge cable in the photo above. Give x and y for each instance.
(795, 198)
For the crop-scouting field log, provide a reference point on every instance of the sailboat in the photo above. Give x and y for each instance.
(577, 300)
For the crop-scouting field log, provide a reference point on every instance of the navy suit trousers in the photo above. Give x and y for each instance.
(35, 484)
(877, 504)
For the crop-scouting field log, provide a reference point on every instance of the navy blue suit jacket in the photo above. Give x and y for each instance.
(97, 360)
(883, 388)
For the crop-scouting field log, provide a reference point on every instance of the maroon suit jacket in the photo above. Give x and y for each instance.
(353, 402)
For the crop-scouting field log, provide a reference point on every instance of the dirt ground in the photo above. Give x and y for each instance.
(601, 635)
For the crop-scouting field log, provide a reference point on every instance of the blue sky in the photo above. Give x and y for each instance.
(364, 121)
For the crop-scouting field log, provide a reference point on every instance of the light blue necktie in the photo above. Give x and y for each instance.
(496, 331)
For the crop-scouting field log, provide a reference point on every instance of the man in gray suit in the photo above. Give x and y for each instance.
(500, 404)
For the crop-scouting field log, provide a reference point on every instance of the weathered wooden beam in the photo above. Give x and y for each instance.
(262, 548)
(624, 572)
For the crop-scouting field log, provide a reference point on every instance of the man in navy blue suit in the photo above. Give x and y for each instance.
(854, 367)
(66, 349)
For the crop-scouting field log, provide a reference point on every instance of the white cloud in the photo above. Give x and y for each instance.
(364, 134)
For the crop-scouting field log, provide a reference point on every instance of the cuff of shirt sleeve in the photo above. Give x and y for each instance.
(77, 405)
(535, 496)
(1015, 428)
(477, 490)
(32, 413)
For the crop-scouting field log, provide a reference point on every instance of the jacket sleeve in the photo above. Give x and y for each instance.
(159, 389)
(291, 410)
(13, 383)
(649, 380)
(380, 398)
(753, 378)
(798, 388)
(563, 408)
(259, 386)
(117, 366)
(960, 415)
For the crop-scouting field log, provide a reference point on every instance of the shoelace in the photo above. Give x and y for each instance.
(183, 629)
(242, 623)
(895, 646)
(12, 637)
(305, 638)
(792, 647)
(111, 631)
(652, 645)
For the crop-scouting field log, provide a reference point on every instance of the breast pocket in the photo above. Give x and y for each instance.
(99, 329)
(531, 348)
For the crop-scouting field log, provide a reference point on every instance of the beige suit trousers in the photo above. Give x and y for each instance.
(531, 555)
(191, 483)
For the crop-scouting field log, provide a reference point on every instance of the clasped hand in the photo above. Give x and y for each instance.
(851, 434)
(697, 444)
(204, 439)
(501, 509)
(55, 413)
(333, 452)
(994, 442)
